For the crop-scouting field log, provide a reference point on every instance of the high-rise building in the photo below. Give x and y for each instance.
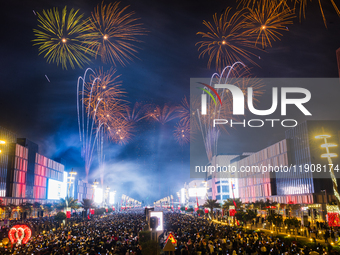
(296, 158)
(9, 138)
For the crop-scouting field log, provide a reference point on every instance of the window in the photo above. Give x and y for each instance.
(225, 189)
(210, 189)
(224, 197)
(226, 182)
(218, 189)
(218, 197)
(217, 182)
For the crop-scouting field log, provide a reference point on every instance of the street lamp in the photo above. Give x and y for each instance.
(329, 157)
(1, 143)
(107, 190)
(94, 186)
(70, 178)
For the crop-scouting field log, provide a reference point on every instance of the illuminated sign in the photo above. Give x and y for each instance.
(56, 189)
(172, 239)
(19, 234)
(199, 192)
(159, 215)
(98, 195)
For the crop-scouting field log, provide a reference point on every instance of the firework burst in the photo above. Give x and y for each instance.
(137, 113)
(182, 133)
(161, 114)
(59, 37)
(302, 4)
(101, 114)
(112, 33)
(267, 20)
(226, 42)
(254, 3)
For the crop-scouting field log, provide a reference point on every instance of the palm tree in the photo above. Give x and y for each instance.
(68, 202)
(37, 206)
(87, 204)
(211, 204)
(230, 202)
(10, 208)
(26, 207)
(48, 208)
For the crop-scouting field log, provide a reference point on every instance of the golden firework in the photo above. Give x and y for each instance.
(254, 3)
(120, 130)
(111, 33)
(162, 114)
(267, 20)
(302, 4)
(225, 42)
(182, 133)
(59, 37)
(104, 96)
(104, 99)
(137, 113)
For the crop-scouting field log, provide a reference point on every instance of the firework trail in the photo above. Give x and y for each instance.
(100, 114)
(229, 75)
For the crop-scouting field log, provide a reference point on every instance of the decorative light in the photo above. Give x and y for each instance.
(328, 145)
(329, 155)
(322, 136)
(19, 234)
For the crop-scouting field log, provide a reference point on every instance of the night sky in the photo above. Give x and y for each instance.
(152, 165)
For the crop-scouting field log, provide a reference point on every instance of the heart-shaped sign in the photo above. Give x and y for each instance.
(19, 234)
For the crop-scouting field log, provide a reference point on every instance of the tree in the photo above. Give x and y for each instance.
(37, 206)
(200, 212)
(60, 216)
(26, 207)
(275, 219)
(68, 202)
(87, 204)
(48, 208)
(230, 202)
(245, 217)
(259, 204)
(10, 208)
(292, 223)
(249, 216)
(292, 208)
(211, 204)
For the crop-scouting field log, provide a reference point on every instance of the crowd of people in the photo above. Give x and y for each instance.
(117, 234)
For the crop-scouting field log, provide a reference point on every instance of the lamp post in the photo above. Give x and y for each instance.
(326, 202)
(2, 142)
(70, 178)
(329, 157)
(94, 186)
(107, 190)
